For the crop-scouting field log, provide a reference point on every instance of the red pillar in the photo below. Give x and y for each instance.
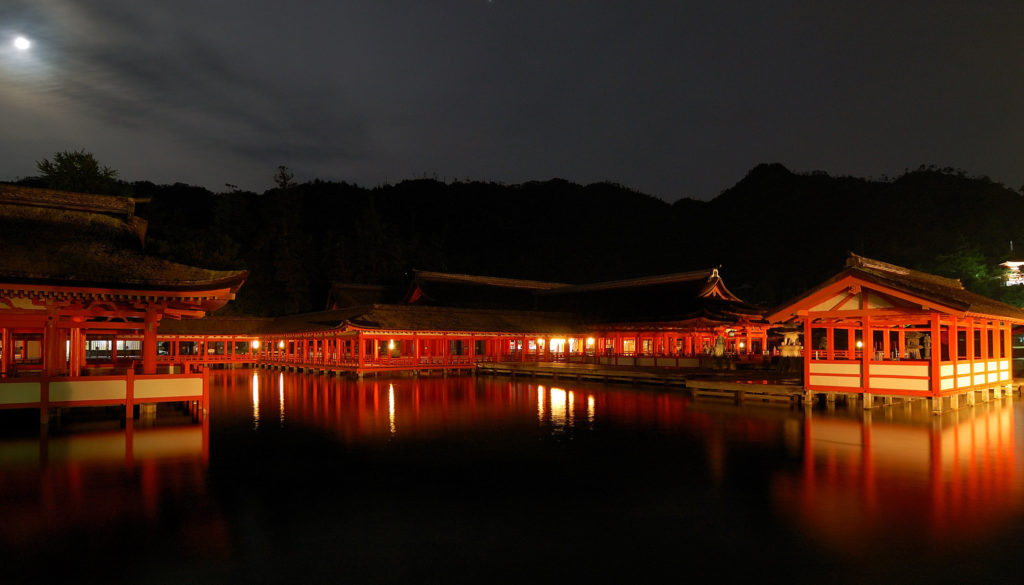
(936, 377)
(360, 350)
(6, 350)
(807, 352)
(149, 343)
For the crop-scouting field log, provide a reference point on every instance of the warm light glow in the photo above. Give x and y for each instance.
(558, 344)
(742, 345)
(255, 401)
(391, 407)
(860, 344)
(21, 43)
(540, 343)
(280, 344)
(559, 407)
(540, 403)
(280, 394)
(590, 409)
(391, 344)
(590, 342)
(255, 344)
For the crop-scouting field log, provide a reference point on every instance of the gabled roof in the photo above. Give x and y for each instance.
(928, 290)
(443, 289)
(702, 276)
(677, 297)
(428, 276)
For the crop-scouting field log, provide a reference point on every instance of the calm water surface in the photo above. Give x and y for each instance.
(304, 478)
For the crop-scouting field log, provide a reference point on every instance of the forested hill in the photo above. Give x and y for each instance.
(775, 233)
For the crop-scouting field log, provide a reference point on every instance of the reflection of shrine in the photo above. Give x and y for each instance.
(369, 410)
(904, 473)
(56, 485)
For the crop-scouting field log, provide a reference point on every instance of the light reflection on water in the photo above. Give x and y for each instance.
(640, 473)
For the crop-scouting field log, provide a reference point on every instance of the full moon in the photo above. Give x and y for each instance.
(22, 44)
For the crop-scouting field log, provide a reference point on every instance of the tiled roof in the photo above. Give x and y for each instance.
(75, 239)
(944, 291)
(420, 318)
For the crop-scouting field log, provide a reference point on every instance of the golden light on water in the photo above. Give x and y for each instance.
(255, 401)
(559, 402)
(540, 403)
(391, 407)
(280, 394)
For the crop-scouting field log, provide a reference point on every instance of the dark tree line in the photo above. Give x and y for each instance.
(775, 233)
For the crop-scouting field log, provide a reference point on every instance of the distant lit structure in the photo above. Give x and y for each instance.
(1014, 276)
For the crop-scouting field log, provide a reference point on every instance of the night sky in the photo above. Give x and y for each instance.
(675, 99)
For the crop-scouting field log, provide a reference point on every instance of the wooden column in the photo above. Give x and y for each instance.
(865, 352)
(49, 346)
(149, 343)
(985, 352)
(954, 349)
(6, 350)
(807, 351)
(936, 356)
(77, 357)
(830, 343)
(971, 350)
(1008, 345)
(360, 349)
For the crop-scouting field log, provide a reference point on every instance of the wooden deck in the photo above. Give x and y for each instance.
(737, 387)
(604, 373)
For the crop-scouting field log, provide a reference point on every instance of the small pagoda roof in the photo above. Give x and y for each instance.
(707, 277)
(60, 238)
(928, 290)
(422, 319)
(677, 297)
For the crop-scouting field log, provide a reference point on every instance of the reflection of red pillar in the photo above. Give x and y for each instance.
(938, 489)
(870, 486)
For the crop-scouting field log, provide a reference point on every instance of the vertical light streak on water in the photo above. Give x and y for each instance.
(540, 404)
(558, 408)
(255, 401)
(280, 391)
(391, 407)
(590, 410)
(570, 408)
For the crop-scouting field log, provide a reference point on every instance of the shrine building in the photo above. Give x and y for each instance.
(454, 321)
(81, 304)
(877, 329)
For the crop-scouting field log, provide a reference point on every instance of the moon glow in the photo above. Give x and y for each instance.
(21, 43)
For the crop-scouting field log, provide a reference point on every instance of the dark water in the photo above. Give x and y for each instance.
(309, 479)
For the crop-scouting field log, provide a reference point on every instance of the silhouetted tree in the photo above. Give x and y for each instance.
(283, 177)
(79, 171)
